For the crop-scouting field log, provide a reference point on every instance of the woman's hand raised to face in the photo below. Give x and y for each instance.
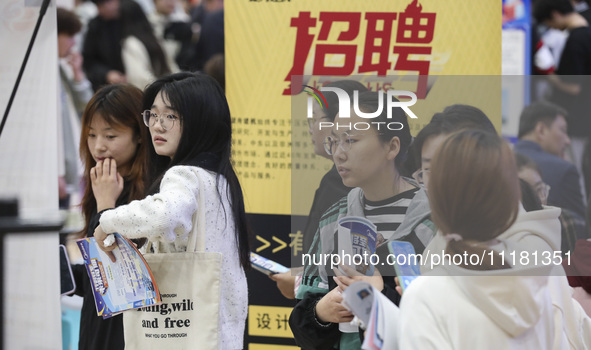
(107, 183)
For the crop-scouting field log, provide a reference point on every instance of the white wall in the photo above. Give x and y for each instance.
(28, 170)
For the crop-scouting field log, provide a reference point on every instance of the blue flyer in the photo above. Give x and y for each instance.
(125, 284)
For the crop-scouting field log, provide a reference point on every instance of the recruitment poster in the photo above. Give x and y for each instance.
(271, 45)
(268, 42)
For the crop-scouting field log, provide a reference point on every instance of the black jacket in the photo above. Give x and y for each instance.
(96, 333)
(102, 50)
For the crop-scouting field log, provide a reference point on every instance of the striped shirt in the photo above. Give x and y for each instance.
(389, 213)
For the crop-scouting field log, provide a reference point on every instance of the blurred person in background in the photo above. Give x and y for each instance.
(203, 8)
(572, 84)
(582, 7)
(102, 46)
(215, 67)
(529, 198)
(529, 172)
(143, 57)
(75, 92)
(543, 138)
(172, 27)
(211, 37)
(572, 225)
(86, 11)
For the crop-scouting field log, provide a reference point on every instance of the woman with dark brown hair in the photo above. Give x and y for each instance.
(368, 159)
(143, 57)
(114, 147)
(474, 194)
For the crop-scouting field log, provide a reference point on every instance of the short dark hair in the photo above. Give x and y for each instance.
(216, 67)
(460, 116)
(453, 118)
(542, 9)
(541, 111)
(368, 102)
(529, 198)
(99, 2)
(67, 22)
(525, 162)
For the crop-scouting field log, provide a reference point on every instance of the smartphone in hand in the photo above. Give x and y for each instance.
(406, 262)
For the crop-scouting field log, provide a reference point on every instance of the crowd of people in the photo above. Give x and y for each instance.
(152, 134)
(459, 189)
(125, 41)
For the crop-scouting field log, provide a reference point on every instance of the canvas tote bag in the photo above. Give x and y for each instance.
(189, 283)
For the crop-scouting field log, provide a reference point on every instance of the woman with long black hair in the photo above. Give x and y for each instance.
(189, 121)
(143, 56)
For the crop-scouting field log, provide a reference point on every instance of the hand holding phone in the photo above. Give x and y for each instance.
(406, 262)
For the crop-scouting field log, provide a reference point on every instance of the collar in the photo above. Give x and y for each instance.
(527, 144)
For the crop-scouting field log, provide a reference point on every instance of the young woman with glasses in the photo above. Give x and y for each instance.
(114, 147)
(429, 139)
(369, 160)
(331, 188)
(573, 226)
(189, 120)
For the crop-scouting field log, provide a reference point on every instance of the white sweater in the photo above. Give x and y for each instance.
(136, 60)
(477, 310)
(165, 219)
(533, 232)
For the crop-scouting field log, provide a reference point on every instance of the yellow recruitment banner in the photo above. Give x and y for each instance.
(271, 43)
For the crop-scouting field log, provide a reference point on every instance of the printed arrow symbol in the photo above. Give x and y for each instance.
(282, 244)
(265, 245)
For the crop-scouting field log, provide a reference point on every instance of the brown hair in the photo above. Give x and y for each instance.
(474, 192)
(120, 105)
(215, 67)
(67, 22)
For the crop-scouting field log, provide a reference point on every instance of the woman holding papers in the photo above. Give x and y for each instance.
(114, 147)
(189, 120)
(368, 159)
(331, 188)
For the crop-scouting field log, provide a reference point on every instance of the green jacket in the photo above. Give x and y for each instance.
(416, 227)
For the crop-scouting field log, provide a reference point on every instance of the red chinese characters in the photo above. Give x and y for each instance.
(349, 50)
(414, 33)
